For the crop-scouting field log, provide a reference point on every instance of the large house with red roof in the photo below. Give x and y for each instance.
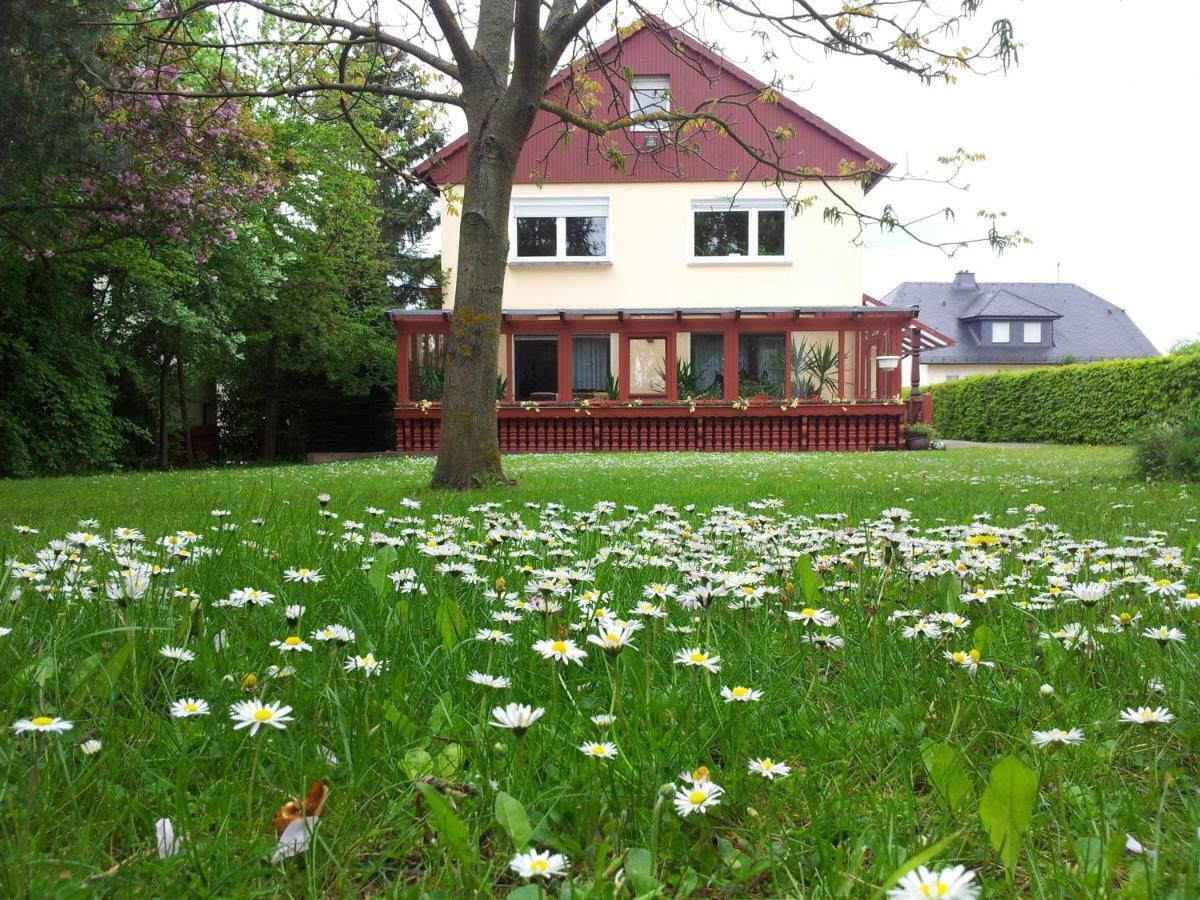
(694, 279)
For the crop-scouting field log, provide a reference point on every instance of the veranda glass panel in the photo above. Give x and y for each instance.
(590, 362)
(760, 364)
(647, 365)
(707, 375)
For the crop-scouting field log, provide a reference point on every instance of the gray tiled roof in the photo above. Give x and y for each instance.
(1085, 327)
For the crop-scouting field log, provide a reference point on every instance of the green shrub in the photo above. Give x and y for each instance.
(1170, 450)
(1097, 403)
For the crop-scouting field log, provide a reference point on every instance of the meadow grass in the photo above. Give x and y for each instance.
(898, 751)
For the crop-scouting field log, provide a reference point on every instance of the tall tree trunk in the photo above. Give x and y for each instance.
(164, 373)
(469, 450)
(183, 411)
(270, 408)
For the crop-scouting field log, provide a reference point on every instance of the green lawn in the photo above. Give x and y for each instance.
(895, 748)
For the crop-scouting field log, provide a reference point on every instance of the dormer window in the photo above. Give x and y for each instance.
(1000, 333)
(649, 94)
(1032, 333)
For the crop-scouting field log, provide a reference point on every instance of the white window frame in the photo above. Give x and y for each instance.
(1026, 339)
(747, 205)
(1007, 331)
(641, 83)
(560, 209)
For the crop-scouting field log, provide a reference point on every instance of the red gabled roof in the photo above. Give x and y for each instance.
(697, 76)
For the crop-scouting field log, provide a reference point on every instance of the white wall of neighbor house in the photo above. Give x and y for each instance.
(650, 260)
(931, 374)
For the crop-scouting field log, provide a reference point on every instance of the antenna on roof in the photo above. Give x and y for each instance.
(1058, 271)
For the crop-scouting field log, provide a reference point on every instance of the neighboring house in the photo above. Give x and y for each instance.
(656, 266)
(1015, 326)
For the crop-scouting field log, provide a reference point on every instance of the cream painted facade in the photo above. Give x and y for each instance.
(650, 261)
(936, 374)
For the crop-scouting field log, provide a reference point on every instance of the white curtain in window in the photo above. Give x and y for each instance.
(590, 362)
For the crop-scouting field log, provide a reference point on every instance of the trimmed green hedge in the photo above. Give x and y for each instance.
(1097, 403)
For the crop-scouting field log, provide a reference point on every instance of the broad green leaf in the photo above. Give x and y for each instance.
(947, 773)
(449, 761)
(385, 561)
(919, 860)
(527, 892)
(810, 584)
(513, 819)
(951, 589)
(637, 867)
(1007, 806)
(448, 825)
(450, 622)
(417, 762)
(100, 685)
(985, 637)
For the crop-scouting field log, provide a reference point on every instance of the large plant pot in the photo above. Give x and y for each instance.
(916, 442)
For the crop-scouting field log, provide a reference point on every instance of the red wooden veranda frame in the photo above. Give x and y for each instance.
(863, 413)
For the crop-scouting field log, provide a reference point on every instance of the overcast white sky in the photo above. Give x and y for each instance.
(1087, 143)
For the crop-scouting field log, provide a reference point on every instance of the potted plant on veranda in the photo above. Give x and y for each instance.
(918, 436)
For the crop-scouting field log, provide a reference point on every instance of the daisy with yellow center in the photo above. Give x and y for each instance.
(539, 864)
(740, 694)
(599, 750)
(561, 650)
(188, 707)
(254, 714)
(699, 659)
(769, 769)
(292, 644)
(697, 797)
(955, 883)
(51, 724)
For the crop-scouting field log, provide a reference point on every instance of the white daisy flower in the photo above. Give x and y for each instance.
(1145, 715)
(740, 694)
(254, 714)
(955, 883)
(697, 797)
(698, 658)
(539, 864)
(769, 769)
(1057, 736)
(43, 723)
(600, 750)
(188, 707)
(516, 716)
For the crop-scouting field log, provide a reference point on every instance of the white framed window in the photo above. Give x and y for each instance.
(1032, 333)
(559, 229)
(743, 229)
(649, 94)
(1000, 333)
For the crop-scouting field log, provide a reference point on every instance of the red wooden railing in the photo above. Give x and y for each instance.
(565, 429)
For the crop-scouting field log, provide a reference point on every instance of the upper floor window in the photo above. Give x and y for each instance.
(649, 94)
(1032, 333)
(741, 229)
(559, 228)
(1000, 334)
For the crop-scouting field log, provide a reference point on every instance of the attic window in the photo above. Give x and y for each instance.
(1032, 333)
(1000, 333)
(649, 94)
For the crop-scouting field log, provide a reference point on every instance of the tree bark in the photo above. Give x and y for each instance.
(183, 411)
(469, 449)
(164, 372)
(270, 408)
